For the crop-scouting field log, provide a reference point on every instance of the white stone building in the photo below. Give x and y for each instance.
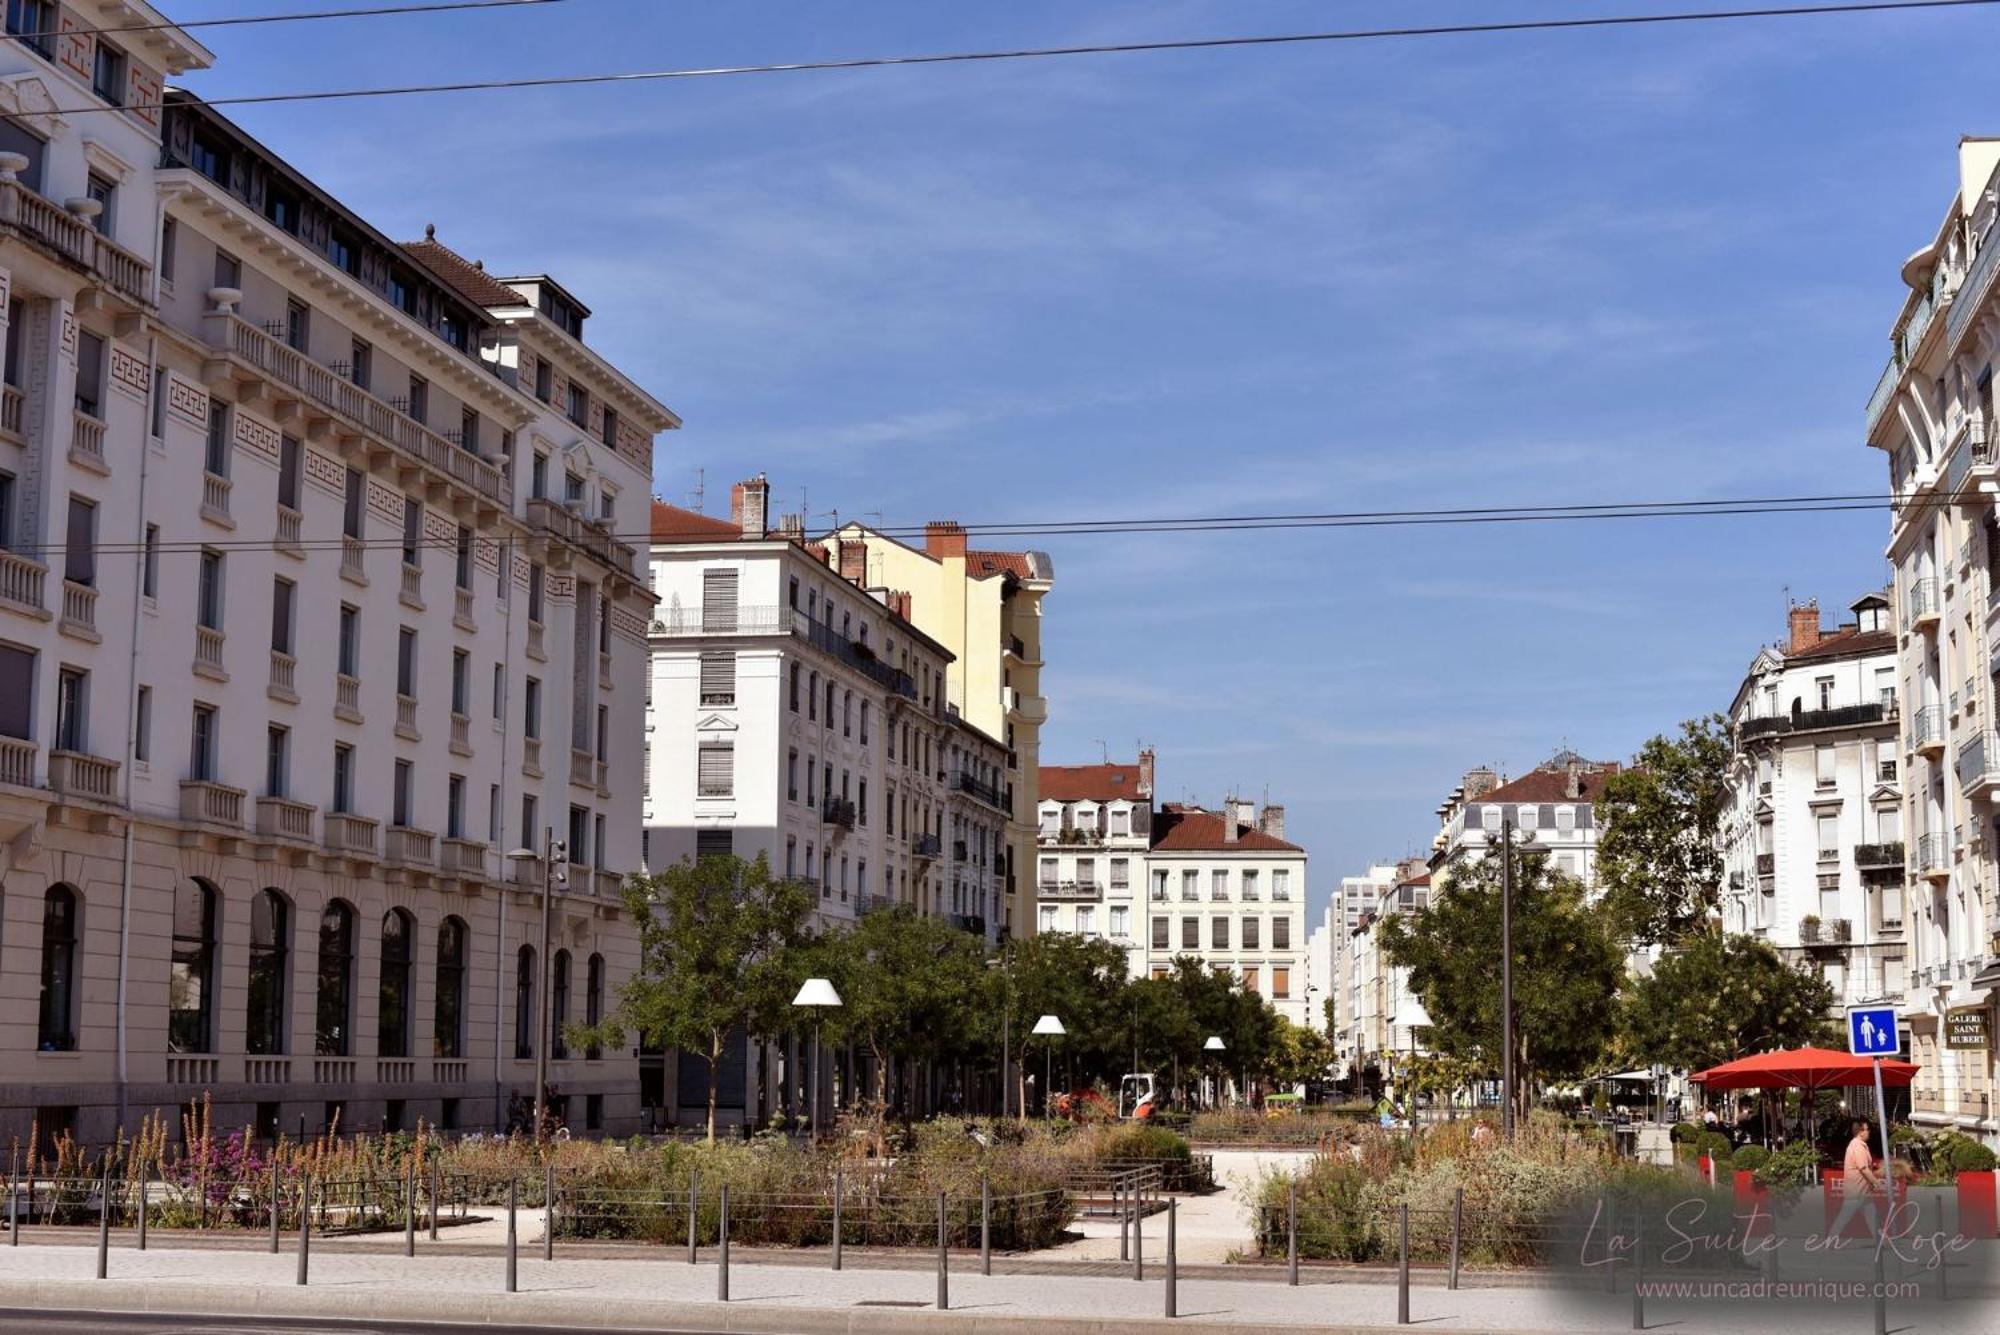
(1381, 1020)
(1933, 416)
(1813, 834)
(1550, 806)
(241, 860)
(1096, 825)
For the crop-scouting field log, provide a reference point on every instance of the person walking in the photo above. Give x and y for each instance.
(1860, 1180)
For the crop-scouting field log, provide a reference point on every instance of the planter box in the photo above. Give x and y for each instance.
(1833, 1196)
(1753, 1199)
(1977, 1213)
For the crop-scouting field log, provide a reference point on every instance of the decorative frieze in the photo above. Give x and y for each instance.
(187, 400)
(257, 436)
(128, 372)
(326, 472)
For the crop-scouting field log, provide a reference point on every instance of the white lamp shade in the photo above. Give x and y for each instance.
(1214, 1044)
(817, 992)
(1048, 1026)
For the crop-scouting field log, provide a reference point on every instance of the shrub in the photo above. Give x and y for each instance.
(1717, 1147)
(1954, 1152)
(1686, 1133)
(1750, 1158)
(1791, 1166)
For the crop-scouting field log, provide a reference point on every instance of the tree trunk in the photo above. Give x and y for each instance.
(714, 1084)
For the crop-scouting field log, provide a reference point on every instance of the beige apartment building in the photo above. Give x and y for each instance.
(986, 608)
(307, 575)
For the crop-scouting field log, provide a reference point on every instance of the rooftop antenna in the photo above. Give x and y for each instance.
(1103, 750)
(700, 493)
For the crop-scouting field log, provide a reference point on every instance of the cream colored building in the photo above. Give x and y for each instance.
(1933, 416)
(986, 608)
(310, 610)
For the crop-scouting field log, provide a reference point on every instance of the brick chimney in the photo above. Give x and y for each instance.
(750, 506)
(1573, 779)
(1229, 832)
(1146, 773)
(1271, 820)
(944, 539)
(899, 603)
(1805, 626)
(854, 561)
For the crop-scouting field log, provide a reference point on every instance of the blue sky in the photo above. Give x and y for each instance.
(1628, 265)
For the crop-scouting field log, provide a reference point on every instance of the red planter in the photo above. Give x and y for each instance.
(1978, 1216)
(1753, 1201)
(1831, 1184)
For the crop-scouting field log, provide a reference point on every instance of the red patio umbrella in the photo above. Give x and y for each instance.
(1803, 1068)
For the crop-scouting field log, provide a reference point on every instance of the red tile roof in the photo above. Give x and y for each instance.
(673, 524)
(1179, 829)
(1422, 880)
(1096, 783)
(472, 282)
(1849, 640)
(1552, 785)
(982, 564)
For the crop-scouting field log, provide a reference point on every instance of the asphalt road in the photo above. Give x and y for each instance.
(87, 1323)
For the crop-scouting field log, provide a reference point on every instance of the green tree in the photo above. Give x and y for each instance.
(909, 988)
(1299, 1055)
(1659, 855)
(1567, 966)
(721, 946)
(1719, 997)
(1080, 982)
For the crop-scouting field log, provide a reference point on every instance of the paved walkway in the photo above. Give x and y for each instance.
(663, 1294)
(1211, 1229)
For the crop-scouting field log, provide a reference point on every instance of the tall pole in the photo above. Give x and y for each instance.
(1882, 1121)
(542, 985)
(1507, 977)
(812, 1074)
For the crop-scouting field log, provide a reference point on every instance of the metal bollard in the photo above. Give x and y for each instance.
(104, 1223)
(513, 1248)
(549, 1212)
(1173, 1263)
(944, 1262)
(305, 1224)
(1639, 1280)
(1457, 1223)
(1881, 1300)
(410, 1209)
(275, 1211)
(836, 1215)
(694, 1215)
(722, 1233)
(13, 1212)
(1121, 1202)
(145, 1190)
(1292, 1236)
(1403, 1267)
(1139, 1239)
(985, 1225)
(435, 1183)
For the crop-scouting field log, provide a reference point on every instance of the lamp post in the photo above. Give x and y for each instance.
(1214, 1044)
(818, 994)
(1050, 1029)
(555, 872)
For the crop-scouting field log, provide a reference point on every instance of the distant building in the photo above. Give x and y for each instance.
(1813, 829)
(1380, 1018)
(1096, 824)
(1550, 806)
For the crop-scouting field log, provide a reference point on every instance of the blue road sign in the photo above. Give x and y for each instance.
(1871, 1031)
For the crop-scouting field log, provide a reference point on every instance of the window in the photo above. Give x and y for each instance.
(812, 697)
(202, 744)
(579, 405)
(17, 139)
(1823, 767)
(406, 662)
(57, 1031)
(401, 295)
(208, 590)
(531, 823)
(1219, 884)
(1823, 689)
(558, 1004)
(228, 271)
(419, 402)
(349, 649)
(336, 980)
(289, 451)
(544, 386)
(718, 677)
(1281, 885)
(524, 1003)
(392, 1004)
(535, 578)
(579, 837)
(277, 761)
(448, 1017)
(400, 797)
(7, 512)
(1249, 978)
(1281, 934)
(1120, 925)
(715, 774)
(611, 427)
(593, 1001)
(1828, 825)
(142, 726)
(792, 696)
(538, 477)
(1891, 909)
(462, 572)
(270, 935)
(1190, 933)
(531, 696)
(170, 236)
(90, 375)
(864, 723)
(72, 710)
(34, 22)
(350, 516)
(461, 683)
(1086, 921)
(298, 325)
(1249, 885)
(191, 982)
(413, 531)
(1281, 981)
(1218, 932)
(1047, 919)
(343, 778)
(361, 367)
(283, 599)
(454, 807)
(1252, 933)
(1190, 885)
(340, 250)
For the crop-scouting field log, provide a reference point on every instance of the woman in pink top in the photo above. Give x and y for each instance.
(1859, 1183)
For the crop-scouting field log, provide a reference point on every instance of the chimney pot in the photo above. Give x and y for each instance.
(1272, 821)
(1146, 773)
(750, 506)
(854, 561)
(1804, 625)
(944, 539)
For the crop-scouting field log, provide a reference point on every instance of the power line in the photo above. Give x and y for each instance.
(1255, 523)
(1047, 52)
(310, 16)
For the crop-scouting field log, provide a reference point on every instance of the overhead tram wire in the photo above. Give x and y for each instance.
(1049, 52)
(1695, 509)
(307, 16)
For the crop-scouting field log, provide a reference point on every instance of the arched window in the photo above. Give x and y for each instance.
(191, 985)
(336, 980)
(448, 1027)
(270, 954)
(593, 1001)
(59, 937)
(392, 1030)
(524, 1004)
(559, 1006)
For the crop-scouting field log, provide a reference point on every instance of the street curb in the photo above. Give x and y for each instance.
(211, 1301)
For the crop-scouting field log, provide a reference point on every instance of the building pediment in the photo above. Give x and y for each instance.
(1885, 795)
(716, 723)
(1764, 810)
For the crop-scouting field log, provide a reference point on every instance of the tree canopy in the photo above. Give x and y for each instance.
(1719, 997)
(1659, 857)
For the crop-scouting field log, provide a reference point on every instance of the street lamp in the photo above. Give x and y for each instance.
(555, 872)
(818, 994)
(1050, 1028)
(1214, 1044)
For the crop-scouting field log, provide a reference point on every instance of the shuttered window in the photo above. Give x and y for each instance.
(718, 677)
(718, 600)
(716, 772)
